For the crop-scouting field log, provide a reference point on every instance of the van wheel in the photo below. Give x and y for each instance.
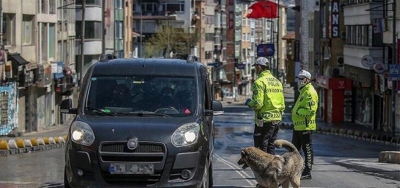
(207, 176)
(66, 184)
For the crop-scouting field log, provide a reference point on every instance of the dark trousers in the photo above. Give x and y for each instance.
(302, 140)
(264, 137)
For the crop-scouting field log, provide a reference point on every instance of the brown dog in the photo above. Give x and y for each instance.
(274, 170)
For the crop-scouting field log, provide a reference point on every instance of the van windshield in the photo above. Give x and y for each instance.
(138, 95)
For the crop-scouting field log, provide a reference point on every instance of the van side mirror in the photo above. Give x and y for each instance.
(66, 107)
(217, 109)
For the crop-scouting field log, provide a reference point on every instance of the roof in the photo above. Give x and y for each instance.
(290, 35)
(146, 66)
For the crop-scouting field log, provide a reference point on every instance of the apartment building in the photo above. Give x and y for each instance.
(151, 16)
(107, 31)
(355, 55)
(32, 36)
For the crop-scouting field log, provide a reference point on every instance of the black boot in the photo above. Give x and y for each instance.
(306, 175)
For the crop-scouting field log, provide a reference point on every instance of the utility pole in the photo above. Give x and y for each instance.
(141, 31)
(394, 61)
(103, 23)
(82, 41)
(1, 30)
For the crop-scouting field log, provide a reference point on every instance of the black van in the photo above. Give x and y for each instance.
(142, 122)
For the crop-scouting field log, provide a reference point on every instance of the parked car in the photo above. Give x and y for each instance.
(142, 122)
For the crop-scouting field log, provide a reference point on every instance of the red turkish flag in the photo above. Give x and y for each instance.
(263, 9)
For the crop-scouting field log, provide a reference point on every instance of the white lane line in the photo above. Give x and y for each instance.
(18, 182)
(237, 170)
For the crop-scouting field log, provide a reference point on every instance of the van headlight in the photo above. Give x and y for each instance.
(81, 133)
(186, 135)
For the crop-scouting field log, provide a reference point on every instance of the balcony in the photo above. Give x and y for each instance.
(154, 15)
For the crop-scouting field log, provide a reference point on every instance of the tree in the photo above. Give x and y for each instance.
(169, 39)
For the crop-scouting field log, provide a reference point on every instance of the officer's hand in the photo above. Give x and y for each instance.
(247, 102)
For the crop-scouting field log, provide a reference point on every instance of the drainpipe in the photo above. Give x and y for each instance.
(394, 59)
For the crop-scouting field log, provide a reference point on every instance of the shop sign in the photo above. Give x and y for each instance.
(379, 68)
(322, 81)
(335, 19)
(338, 83)
(265, 50)
(367, 61)
(394, 72)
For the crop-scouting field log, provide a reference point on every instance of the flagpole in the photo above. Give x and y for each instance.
(277, 41)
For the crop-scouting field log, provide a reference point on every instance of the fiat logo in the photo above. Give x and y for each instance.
(132, 143)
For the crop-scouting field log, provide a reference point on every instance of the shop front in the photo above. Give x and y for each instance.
(335, 99)
(363, 92)
(22, 72)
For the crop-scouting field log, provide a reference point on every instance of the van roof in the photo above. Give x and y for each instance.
(146, 66)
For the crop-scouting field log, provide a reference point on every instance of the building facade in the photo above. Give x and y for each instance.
(35, 72)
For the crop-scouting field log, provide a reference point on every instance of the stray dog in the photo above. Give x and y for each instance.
(274, 170)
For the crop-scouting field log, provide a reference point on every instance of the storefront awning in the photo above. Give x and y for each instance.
(17, 58)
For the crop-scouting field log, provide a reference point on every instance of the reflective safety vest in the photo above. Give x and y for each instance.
(268, 100)
(304, 111)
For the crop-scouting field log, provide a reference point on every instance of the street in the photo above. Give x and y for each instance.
(338, 162)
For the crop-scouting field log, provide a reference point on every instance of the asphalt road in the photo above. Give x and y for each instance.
(338, 162)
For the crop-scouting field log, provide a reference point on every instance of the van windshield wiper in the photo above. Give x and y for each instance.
(143, 113)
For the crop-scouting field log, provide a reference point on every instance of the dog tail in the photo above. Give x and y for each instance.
(286, 144)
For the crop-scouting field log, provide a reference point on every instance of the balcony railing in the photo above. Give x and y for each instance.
(155, 13)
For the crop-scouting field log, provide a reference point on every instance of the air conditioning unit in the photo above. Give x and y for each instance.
(343, 34)
(340, 61)
(337, 72)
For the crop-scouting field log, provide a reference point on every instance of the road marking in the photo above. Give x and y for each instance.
(237, 170)
(17, 182)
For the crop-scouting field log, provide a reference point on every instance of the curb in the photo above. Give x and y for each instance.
(19, 145)
(380, 138)
(384, 156)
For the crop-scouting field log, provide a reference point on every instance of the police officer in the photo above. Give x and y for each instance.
(268, 103)
(303, 117)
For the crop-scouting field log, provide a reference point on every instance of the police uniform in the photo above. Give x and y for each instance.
(303, 118)
(268, 103)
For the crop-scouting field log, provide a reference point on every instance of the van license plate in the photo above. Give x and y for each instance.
(126, 168)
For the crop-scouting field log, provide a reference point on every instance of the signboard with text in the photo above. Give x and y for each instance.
(265, 50)
(335, 18)
(394, 72)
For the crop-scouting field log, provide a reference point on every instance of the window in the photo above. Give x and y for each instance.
(44, 7)
(89, 2)
(119, 29)
(138, 93)
(27, 29)
(44, 40)
(93, 29)
(52, 6)
(175, 6)
(59, 51)
(210, 36)
(118, 4)
(52, 40)
(9, 29)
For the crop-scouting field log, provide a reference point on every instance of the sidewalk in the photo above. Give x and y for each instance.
(50, 138)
